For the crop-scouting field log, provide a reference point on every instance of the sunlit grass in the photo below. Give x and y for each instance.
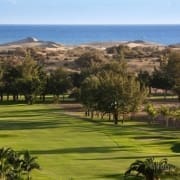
(68, 147)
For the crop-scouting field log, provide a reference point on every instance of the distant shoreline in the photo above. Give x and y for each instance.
(89, 24)
(34, 42)
(73, 35)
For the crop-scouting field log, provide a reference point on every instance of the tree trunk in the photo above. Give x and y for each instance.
(102, 116)
(174, 122)
(7, 97)
(26, 98)
(165, 93)
(150, 90)
(1, 96)
(17, 97)
(92, 114)
(56, 98)
(97, 114)
(14, 98)
(115, 117)
(123, 118)
(30, 100)
(87, 112)
(28, 176)
(167, 121)
(109, 116)
(43, 98)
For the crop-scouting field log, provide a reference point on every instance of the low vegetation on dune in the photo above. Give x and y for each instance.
(144, 55)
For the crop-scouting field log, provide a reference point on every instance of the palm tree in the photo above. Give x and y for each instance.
(15, 159)
(5, 167)
(29, 163)
(151, 169)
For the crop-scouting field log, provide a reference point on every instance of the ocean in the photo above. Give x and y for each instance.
(81, 34)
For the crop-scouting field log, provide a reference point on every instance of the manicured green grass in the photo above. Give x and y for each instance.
(73, 148)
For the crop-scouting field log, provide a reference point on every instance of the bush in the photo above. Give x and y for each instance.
(151, 169)
(15, 165)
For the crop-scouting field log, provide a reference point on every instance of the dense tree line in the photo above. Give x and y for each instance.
(30, 79)
(166, 77)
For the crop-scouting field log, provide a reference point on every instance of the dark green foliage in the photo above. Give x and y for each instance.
(90, 58)
(161, 80)
(151, 169)
(30, 80)
(29, 163)
(16, 166)
(59, 82)
(112, 90)
(173, 71)
(167, 77)
(145, 79)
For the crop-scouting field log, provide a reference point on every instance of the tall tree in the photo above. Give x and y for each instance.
(29, 164)
(113, 90)
(145, 79)
(1, 83)
(172, 69)
(59, 82)
(161, 80)
(29, 82)
(11, 74)
(89, 93)
(167, 77)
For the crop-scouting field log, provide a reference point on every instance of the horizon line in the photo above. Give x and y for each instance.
(55, 24)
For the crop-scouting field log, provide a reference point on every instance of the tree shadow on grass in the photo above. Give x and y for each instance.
(80, 150)
(121, 177)
(113, 176)
(130, 157)
(6, 135)
(30, 124)
(176, 148)
(153, 137)
(28, 111)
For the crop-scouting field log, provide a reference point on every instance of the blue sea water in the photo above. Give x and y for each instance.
(79, 34)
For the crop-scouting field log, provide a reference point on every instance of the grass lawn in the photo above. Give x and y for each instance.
(72, 148)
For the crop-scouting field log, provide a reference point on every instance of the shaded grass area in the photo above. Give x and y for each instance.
(72, 148)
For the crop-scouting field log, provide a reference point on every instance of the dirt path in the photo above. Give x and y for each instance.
(75, 109)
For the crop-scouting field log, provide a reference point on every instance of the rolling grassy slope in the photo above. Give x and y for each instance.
(72, 148)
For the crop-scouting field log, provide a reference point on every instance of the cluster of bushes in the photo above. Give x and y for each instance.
(164, 114)
(135, 52)
(150, 169)
(16, 165)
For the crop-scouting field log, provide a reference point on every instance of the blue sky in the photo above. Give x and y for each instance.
(89, 11)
